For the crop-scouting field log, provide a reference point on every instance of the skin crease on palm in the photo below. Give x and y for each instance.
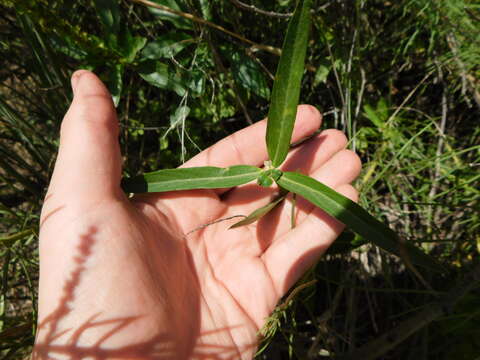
(128, 278)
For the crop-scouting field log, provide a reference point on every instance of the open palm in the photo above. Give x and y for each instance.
(161, 276)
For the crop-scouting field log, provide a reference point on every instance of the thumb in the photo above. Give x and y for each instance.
(88, 166)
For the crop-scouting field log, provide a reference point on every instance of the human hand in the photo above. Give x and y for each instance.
(142, 278)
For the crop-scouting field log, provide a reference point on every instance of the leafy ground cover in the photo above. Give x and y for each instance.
(402, 79)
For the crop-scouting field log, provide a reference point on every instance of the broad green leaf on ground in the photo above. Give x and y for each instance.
(167, 45)
(286, 89)
(129, 45)
(247, 73)
(355, 217)
(109, 13)
(207, 177)
(161, 75)
(178, 21)
(260, 212)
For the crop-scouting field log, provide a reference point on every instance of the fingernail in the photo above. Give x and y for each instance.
(75, 80)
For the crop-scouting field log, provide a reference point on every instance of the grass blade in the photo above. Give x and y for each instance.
(9, 240)
(355, 217)
(206, 177)
(24, 132)
(286, 89)
(260, 212)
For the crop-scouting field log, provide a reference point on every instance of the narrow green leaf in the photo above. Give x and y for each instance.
(257, 214)
(207, 177)
(44, 62)
(24, 131)
(9, 240)
(355, 217)
(11, 172)
(286, 89)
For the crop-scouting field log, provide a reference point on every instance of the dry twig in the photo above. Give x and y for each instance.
(252, 8)
(254, 45)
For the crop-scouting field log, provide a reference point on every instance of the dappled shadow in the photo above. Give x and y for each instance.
(57, 342)
(158, 347)
(267, 226)
(50, 324)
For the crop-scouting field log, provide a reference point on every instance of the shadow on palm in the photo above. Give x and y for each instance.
(57, 342)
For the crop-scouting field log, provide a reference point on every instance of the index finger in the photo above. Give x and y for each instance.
(247, 146)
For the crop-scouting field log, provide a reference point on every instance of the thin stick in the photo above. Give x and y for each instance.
(253, 45)
(213, 222)
(408, 97)
(259, 62)
(252, 8)
(335, 72)
(267, 48)
(292, 215)
(295, 292)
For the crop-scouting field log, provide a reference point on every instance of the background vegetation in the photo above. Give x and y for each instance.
(401, 78)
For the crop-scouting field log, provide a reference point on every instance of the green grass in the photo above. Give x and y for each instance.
(402, 79)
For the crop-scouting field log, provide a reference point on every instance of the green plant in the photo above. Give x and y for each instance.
(281, 118)
(400, 78)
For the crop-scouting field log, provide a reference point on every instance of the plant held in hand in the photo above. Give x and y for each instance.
(280, 124)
